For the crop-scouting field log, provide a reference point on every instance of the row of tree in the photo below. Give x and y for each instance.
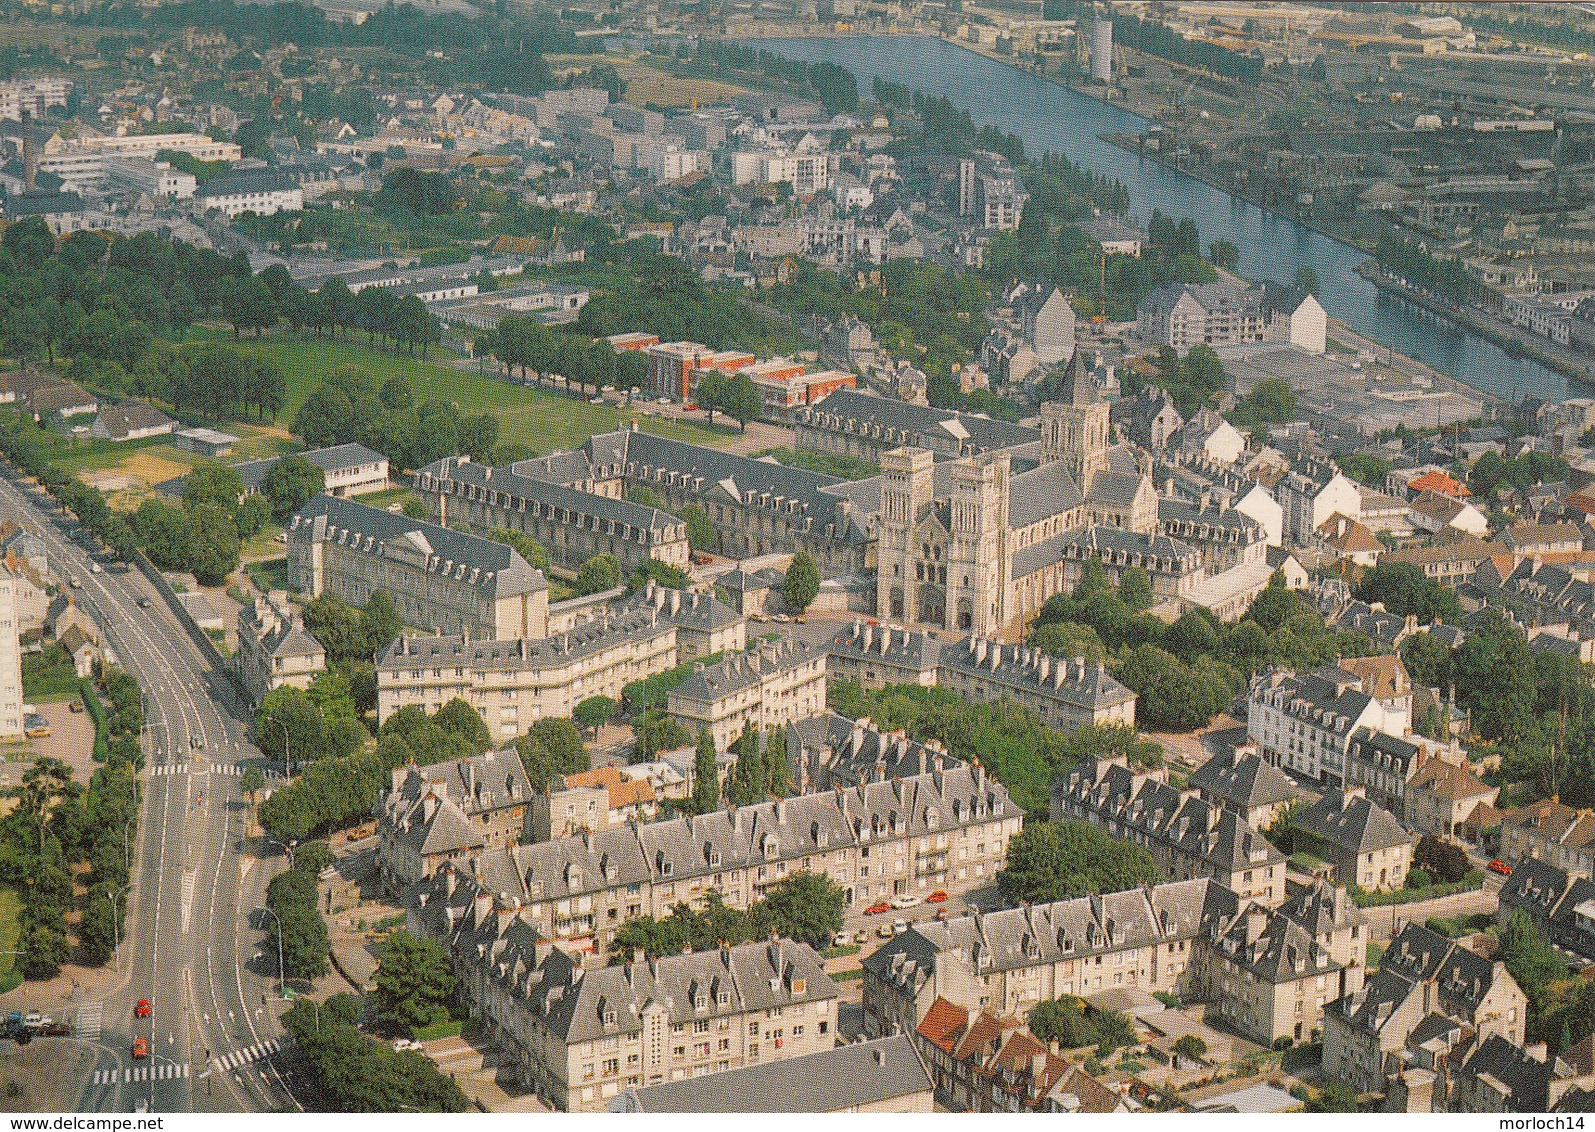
(805, 906)
(351, 407)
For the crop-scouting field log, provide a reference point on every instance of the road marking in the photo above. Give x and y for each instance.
(226, 768)
(240, 1058)
(165, 1071)
(90, 1017)
(189, 877)
(166, 770)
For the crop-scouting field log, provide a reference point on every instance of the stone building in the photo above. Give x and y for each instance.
(574, 525)
(514, 683)
(438, 578)
(831, 750)
(1363, 842)
(873, 655)
(274, 648)
(1246, 785)
(446, 811)
(590, 800)
(946, 830)
(11, 718)
(1189, 838)
(850, 423)
(1064, 693)
(1306, 723)
(773, 686)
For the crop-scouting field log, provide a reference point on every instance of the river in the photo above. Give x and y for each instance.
(1049, 117)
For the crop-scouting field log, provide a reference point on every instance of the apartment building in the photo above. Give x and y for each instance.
(831, 750)
(11, 715)
(591, 800)
(1243, 783)
(574, 525)
(262, 192)
(1363, 842)
(438, 578)
(946, 830)
(874, 655)
(580, 1036)
(1008, 961)
(1189, 838)
(1558, 901)
(1425, 984)
(1064, 693)
(1305, 723)
(1552, 832)
(778, 684)
(32, 96)
(447, 811)
(275, 650)
(514, 683)
(154, 178)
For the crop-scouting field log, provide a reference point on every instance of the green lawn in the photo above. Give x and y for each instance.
(544, 420)
(10, 928)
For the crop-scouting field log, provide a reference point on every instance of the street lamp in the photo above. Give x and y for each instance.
(127, 856)
(286, 848)
(282, 983)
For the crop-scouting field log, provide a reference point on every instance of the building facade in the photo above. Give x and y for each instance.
(776, 685)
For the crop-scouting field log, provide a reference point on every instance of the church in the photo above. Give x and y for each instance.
(979, 543)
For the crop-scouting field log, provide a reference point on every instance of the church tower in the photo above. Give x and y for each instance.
(978, 556)
(908, 475)
(1077, 431)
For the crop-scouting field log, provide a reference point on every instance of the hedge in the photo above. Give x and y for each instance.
(96, 710)
(448, 1029)
(1470, 883)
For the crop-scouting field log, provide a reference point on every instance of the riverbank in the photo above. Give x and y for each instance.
(1509, 338)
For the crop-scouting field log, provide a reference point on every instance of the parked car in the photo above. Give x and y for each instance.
(885, 931)
(861, 936)
(937, 897)
(841, 939)
(899, 926)
(1500, 867)
(907, 900)
(34, 1020)
(72, 580)
(402, 1044)
(96, 568)
(143, 1009)
(143, 603)
(56, 1030)
(878, 908)
(196, 742)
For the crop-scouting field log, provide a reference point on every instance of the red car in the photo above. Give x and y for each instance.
(877, 909)
(141, 1048)
(1500, 867)
(142, 1010)
(937, 897)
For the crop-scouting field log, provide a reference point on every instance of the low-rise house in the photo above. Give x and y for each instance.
(1438, 513)
(591, 800)
(275, 650)
(443, 812)
(1443, 795)
(1189, 838)
(885, 1075)
(1552, 832)
(777, 685)
(1560, 902)
(1455, 561)
(131, 420)
(346, 470)
(82, 648)
(1363, 842)
(1529, 539)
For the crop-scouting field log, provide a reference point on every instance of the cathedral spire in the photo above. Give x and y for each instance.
(1082, 387)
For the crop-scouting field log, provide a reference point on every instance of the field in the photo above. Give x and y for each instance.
(648, 86)
(536, 417)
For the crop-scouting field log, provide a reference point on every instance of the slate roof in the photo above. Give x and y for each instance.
(745, 670)
(1353, 823)
(129, 416)
(1245, 782)
(1462, 977)
(912, 649)
(1155, 552)
(898, 423)
(835, 1080)
(1150, 807)
(458, 475)
(253, 181)
(858, 752)
(1322, 908)
(591, 637)
(1523, 1081)
(1272, 947)
(1072, 682)
(479, 561)
(431, 807)
(338, 456)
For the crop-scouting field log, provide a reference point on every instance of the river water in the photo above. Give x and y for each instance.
(1048, 117)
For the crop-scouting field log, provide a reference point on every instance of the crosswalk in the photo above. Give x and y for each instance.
(246, 1056)
(162, 1071)
(90, 1017)
(231, 770)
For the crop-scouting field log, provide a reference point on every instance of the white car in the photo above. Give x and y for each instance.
(402, 1044)
(899, 927)
(841, 939)
(908, 901)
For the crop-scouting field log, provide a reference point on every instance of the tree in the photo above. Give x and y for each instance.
(1135, 588)
(802, 584)
(701, 535)
(705, 775)
(749, 783)
(337, 626)
(594, 712)
(660, 731)
(1446, 861)
(1406, 590)
(291, 483)
(460, 719)
(1190, 1046)
(211, 481)
(599, 573)
(1068, 639)
(44, 949)
(252, 783)
(804, 906)
(552, 747)
(379, 623)
(213, 550)
(740, 400)
(414, 983)
(1050, 861)
(1307, 279)
(1531, 961)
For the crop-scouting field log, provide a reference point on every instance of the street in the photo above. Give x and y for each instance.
(188, 933)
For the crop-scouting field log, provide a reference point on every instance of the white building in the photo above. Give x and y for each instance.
(32, 96)
(263, 193)
(807, 173)
(664, 159)
(1305, 723)
(11, 717)
(142, 175)
(1259, 505)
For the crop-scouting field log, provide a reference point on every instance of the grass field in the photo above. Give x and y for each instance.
(544, 420)
(649, 86)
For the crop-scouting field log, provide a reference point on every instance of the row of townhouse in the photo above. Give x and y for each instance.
(1304, 723)
(946, 830)
(1188, 836)
(579, 1036)
(771, 686)
(1268, 971)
